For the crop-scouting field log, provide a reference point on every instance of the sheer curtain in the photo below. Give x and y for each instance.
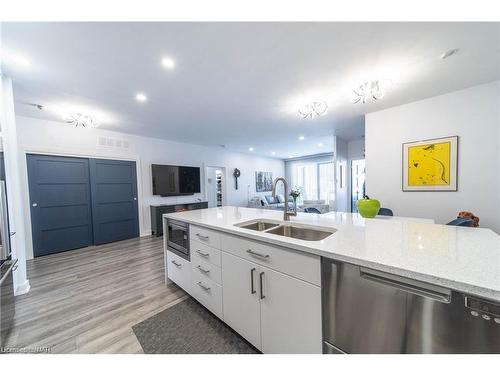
(314, 180)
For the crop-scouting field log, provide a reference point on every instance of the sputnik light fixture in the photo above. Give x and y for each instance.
(313, 109)
(370, 90)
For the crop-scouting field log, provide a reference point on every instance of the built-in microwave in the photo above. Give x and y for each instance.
(178, 238)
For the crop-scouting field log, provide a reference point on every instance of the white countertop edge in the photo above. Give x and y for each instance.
(451, 284)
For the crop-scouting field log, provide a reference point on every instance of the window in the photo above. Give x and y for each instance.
(315, 180)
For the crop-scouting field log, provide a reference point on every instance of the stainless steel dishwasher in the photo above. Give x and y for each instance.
(367, 311)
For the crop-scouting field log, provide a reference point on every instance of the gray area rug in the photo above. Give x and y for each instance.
(189, 328)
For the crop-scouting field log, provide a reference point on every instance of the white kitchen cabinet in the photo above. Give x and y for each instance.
(179, 271)
(290, 314)
(241, 302)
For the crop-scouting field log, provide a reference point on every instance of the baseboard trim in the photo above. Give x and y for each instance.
(23, 288)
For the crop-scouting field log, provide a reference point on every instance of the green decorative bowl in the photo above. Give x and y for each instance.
(368, 208)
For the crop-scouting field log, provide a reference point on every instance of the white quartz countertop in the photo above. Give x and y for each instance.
(459, 258)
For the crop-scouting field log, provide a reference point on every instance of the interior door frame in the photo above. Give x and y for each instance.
(48, 152)
(224, 182)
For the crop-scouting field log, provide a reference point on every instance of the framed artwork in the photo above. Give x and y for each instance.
(263, 181)
(431, 165)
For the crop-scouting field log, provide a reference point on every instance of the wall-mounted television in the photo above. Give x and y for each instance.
(169, 180)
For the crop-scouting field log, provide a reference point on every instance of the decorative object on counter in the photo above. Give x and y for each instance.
(236, 174)
(295, 193)
(431, 165)
(263, 181)
(469, 215)
(368, 208)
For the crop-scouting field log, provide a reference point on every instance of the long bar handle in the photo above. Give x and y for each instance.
(252, 286)
(175, 263)
(203, 270)
(251, 252)
(201, 237)
(407, 286)
(261, 277)
(205, 288)
(205, 255)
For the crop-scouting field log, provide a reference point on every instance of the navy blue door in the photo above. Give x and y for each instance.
(114, 200)
(61, 217)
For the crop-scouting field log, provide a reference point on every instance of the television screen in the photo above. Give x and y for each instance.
(175, 180)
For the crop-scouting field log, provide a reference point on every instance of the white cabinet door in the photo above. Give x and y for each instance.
(240, 297)
(290, 314)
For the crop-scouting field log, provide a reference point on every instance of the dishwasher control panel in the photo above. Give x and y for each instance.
(482, 308)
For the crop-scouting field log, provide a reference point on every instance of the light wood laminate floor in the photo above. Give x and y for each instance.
(87, 300)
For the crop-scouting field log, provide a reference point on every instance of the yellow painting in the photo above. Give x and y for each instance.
(429, 165)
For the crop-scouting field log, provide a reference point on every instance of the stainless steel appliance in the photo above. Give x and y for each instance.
(4, 226)
(178, 238)
(367, 311)
(7, 308)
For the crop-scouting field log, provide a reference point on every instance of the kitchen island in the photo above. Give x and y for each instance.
(465, 260)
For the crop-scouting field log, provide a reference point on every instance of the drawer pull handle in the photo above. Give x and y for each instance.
(261, 277)
(201, 237)
(205, 288)
(203, 270)
(251, 252)
(176, 264)
(206, 255)
(252, 287)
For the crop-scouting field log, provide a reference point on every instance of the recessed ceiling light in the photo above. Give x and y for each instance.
(320, 144)
(301, 138)
(140, 97)
(168, 63)
(250, 149)
(273, 153)
(449, 53)
(290, 156)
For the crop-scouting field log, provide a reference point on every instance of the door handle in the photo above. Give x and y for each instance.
(252, 287)
(261, 277)
(251, 252)
(421, 289)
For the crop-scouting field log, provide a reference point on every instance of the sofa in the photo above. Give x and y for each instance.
(277, 203)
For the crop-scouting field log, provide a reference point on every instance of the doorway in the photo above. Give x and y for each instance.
(216, 186)
(357, 182)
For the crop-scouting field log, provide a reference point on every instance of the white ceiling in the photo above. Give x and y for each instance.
(239, 84)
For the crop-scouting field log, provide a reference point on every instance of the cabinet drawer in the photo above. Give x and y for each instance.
(300, 265)
(205, 252)
(208, 293)
(179, 271)
(205, 236)
(205, 269)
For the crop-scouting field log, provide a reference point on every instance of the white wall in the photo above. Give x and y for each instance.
(39, 136)
(473, 115)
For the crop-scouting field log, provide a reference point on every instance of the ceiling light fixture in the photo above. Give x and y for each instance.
(81, 119)
(250, 149)
(273, 153)
(320, 144)
(301, 138)
(370, 90)
(449, 53)
(140, 97)
(313, 109)
(168, 63)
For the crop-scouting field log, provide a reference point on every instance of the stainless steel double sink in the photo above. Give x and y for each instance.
(285, 229)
